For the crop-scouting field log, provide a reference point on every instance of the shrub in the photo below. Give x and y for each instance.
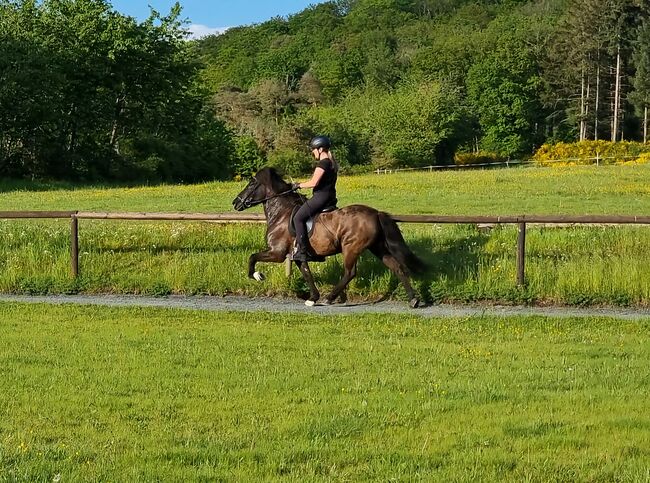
(248, 157)
(591, 152)
(290, 162)
(482, 157)
(643, 158)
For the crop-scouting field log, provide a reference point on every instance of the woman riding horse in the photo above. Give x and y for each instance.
(349, 231)
(323, 181)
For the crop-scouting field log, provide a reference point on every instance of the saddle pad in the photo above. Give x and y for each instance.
(310, 221)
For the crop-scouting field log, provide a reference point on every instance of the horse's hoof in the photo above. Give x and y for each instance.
(259, 276)
(310, 303)
(327, 302)
(414, 303)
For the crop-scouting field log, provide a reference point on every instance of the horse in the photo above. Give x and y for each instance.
(349, 231)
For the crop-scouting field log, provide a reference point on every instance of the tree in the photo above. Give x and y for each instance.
(641, 95)
(504, 90)
(590, 63)
(381, 68)
(372, 14)
(28, 111)
(414, 125)
(273, 97)
(310, 89)
(88, 93)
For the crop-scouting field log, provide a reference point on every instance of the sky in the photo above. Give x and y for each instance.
(213, 16)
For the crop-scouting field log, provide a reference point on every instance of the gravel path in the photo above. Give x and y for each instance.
(296, 306)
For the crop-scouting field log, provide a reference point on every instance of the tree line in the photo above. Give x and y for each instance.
(86, 92)
(89, 94)
(411, 82)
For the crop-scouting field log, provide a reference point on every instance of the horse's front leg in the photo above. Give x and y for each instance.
(314, 294)
(276, 256)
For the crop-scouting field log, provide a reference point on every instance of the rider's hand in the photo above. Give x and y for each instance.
(295, 186)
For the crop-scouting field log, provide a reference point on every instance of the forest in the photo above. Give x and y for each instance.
(87, 93)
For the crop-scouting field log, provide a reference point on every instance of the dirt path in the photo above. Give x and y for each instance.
(296, 306)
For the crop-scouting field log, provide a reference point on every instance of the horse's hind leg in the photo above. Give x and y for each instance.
(314, 294)
(394, 266)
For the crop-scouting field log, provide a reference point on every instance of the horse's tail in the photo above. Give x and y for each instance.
(397, 247)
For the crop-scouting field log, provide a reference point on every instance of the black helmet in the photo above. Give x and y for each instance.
(320, 142)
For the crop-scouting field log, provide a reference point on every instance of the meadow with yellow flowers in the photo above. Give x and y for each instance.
(569, 265)
(141, 394)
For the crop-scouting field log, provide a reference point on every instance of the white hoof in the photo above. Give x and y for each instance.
(259, 276)
(310, 303)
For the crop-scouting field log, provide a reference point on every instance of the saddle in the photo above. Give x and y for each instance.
(311, 221)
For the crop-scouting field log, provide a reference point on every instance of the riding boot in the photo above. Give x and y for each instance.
(304, 252)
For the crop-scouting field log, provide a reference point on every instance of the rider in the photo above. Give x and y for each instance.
(323, 181)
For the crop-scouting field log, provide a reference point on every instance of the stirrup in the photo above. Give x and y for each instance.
(305, 255)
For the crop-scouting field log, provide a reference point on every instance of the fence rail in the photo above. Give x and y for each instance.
(223, 217)
(596, 161)
(520, 220)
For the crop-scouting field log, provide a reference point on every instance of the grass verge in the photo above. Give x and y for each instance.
(574, 266)
(100, 394)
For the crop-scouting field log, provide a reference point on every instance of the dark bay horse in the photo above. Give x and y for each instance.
(349, 231)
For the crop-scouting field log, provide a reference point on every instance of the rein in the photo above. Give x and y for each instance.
(248, 203)
(274, 196)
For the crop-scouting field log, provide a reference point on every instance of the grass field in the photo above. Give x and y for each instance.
(568, 190)
(97, 394)
(605, 265)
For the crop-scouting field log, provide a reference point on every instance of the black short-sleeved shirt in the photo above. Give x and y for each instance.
(327, 183)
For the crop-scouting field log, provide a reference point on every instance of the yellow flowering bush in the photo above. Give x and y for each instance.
(643, 158)
(590, 152)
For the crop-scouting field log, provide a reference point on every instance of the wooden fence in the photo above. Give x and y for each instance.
(510, 162)
(521, 220)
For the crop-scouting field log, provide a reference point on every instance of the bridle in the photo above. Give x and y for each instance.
(247, 203)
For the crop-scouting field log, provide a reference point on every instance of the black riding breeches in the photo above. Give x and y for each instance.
(312, 206)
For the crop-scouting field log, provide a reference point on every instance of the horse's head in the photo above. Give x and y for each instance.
(251, 195)
(266, 183)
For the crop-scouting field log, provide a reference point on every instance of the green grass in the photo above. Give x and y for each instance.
(577, 266)
(569, 190)
(564, 266)
(101, 394)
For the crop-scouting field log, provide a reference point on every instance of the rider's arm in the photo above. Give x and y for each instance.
(313, 182)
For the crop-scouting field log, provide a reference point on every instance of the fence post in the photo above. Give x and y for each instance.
(287, 266)
(74, 245)
(521, 255)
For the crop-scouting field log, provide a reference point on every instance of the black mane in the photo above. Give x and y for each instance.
(271, 178)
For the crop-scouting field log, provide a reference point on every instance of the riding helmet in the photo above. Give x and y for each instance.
(320, 142)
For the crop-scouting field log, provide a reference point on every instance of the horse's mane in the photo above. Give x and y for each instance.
(271, 178)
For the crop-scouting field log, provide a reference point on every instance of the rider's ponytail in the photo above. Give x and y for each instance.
(335, 163)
